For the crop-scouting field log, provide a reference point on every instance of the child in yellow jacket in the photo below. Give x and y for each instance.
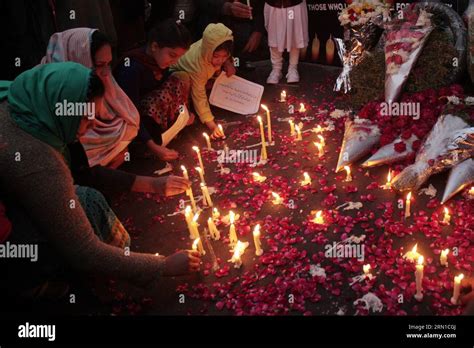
(202, 61)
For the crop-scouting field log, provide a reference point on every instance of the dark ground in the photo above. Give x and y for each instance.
(141, 214)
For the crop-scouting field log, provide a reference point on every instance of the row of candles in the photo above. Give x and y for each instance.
(413, 256)
(239, 247)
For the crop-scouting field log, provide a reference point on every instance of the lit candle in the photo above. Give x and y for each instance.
(447, 217)
(298, 133)
(419, 279)
(263, 156)
(258, 178)
(185, 172)
(318, 218)
(238, 252)
(189, 192)
(221, 129)
(201, 174)
(413, 254)
(215, 214)
(321, 140)
(366, 269)
(302, 108)
(292, 128)
(457, 288)
(206, 197)
(443, 258)
(348, 173)
(306, 180)
(232, 233)
(194, 226)
(208, 140)
(407, 206)
(197, 246)
(276, 198)
(283, 96)
(215, 234)
(195, 148)
(188, 215)
(269, 123)
(320, 148)
(388, 185)
(256, 240)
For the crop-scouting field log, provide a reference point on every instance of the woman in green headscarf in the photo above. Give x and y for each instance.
(35, 179)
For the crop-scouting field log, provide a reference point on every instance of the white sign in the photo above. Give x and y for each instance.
(236, 94)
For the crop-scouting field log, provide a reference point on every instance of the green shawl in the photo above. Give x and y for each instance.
(33, 99)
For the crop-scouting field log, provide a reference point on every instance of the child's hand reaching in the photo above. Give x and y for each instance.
(216, 132)
(182, 262)
(229, 67)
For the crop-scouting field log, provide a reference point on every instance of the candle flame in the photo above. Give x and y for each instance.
(231, 217)
(259, 118)
(366, 268)
(458, 278)
(196, 217)
(198, 169)
(318, 218)
(238, 250)
(347, 169)
(389, 176)
(421, 259)
(321, 139)
(256, 231)
(409, 196)
(195, 243)
(220, 127)
(205, 135)
(276, 198)
(264, 107)
(446, 211)
(445, 252)
(183, 168)
(195, 148)
(302, 107)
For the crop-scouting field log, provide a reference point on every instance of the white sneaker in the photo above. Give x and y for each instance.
(293, 76)
(274, 77)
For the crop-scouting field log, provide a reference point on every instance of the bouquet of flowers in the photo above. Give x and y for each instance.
(360, 135)
(361, 21)
(450, 142)
(404, 40)
(459, 178)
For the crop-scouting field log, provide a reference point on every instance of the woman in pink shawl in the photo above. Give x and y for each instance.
(117, 120)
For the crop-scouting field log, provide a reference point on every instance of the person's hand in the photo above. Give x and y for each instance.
(229, 68)
(182, 262)
(216, 132)
(253, 42)
(238, 10)
(171, 185)
(163, 153)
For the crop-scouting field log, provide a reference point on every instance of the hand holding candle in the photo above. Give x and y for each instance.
(221, 129)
